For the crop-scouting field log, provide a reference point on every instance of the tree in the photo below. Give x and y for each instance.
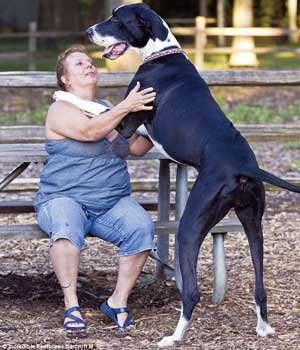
(266, 12)
(292, 14)
(111, 4)
(243, 17)
(221, 19)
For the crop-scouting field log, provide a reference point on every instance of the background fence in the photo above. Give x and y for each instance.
(200, 33)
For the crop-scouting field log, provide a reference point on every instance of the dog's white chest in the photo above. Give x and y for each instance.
(142, 130)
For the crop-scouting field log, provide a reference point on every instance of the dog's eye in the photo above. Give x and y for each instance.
(115, 19)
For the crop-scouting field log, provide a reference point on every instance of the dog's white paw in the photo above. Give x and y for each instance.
(167, 341)
(264, 329)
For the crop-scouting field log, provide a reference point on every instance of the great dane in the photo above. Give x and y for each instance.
(188, 125)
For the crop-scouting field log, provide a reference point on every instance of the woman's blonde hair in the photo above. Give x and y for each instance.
(61, 60)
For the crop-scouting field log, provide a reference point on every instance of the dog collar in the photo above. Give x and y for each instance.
(162, 53)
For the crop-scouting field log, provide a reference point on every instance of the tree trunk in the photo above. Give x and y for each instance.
(111, 4)
(130, 60)
(202, 8)
(292, 13)
(221, 19)
(243, 17)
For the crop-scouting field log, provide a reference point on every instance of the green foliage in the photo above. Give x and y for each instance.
(243, 112)
(36, 116)
(85, 6)
(291, 165)
(292, 145)
(266, 12)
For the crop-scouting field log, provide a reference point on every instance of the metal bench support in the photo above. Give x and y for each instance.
(163, 214)
(12, 175)
(220, 274)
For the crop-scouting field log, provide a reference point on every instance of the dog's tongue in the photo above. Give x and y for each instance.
(114, 51)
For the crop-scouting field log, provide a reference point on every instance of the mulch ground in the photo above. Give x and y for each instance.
(31, 305)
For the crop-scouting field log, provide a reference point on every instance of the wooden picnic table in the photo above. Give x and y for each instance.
(21, 155)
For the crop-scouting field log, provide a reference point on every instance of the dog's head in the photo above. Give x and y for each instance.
(129, 26)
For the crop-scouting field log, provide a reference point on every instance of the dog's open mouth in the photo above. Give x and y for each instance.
(112, 52)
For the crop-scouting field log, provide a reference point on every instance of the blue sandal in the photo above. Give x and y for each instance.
(113, 312)
(68, 314)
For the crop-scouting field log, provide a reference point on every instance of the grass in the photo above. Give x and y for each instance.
(295, 145)
(45, 57)
(283, 60)
(241, 113)
(244, 113)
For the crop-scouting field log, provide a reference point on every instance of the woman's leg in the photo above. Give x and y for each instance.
(130, 268)
(66, 223)
(65, 260)
(128, 226)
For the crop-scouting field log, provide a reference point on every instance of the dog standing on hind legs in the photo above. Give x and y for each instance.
(187, 124)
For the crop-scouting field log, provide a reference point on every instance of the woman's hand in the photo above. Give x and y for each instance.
(136, 100)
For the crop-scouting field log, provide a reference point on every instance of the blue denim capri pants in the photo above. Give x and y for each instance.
(127, 225)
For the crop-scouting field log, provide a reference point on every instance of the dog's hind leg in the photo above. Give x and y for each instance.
(205, 207)
(250, 214)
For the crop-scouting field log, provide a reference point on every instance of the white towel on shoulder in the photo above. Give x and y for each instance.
(90, 108)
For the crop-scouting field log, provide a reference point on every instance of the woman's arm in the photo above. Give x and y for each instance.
(67, 120)
(139, 145)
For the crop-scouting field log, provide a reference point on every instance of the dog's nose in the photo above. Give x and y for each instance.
(89, 32)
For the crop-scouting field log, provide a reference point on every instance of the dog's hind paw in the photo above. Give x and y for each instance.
(167, 341)
(264, 330)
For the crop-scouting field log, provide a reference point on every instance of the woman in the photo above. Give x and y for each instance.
(84, 185)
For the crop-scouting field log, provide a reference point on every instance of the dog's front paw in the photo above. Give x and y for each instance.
(167, 341)
(264, 329)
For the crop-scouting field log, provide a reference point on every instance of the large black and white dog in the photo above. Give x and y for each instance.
(190, 127)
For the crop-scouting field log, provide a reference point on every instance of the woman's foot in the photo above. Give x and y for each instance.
(73, 320)
(120, 315)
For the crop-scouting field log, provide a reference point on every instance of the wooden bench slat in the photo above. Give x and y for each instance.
(144, 185)
(32, 134)
(33, 231)
(230, 77)
(18, 207)
(30, 152)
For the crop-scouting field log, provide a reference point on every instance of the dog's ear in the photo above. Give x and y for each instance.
(153, 24)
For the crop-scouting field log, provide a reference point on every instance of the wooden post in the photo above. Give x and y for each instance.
(163, 213)
(181, 199)
(221, 19)
(32, 45)
(292, 14)
(200, 42)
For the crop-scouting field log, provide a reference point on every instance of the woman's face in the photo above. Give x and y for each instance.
(80, 71)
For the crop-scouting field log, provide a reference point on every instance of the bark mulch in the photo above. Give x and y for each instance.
(31, 307)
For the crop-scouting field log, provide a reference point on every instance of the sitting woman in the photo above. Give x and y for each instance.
(84, 185)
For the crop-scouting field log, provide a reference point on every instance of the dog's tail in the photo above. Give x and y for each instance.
(265, 176)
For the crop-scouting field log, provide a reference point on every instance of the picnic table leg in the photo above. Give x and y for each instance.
(181, 198)
(220, 275)
(12, 175)
(163, 213)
